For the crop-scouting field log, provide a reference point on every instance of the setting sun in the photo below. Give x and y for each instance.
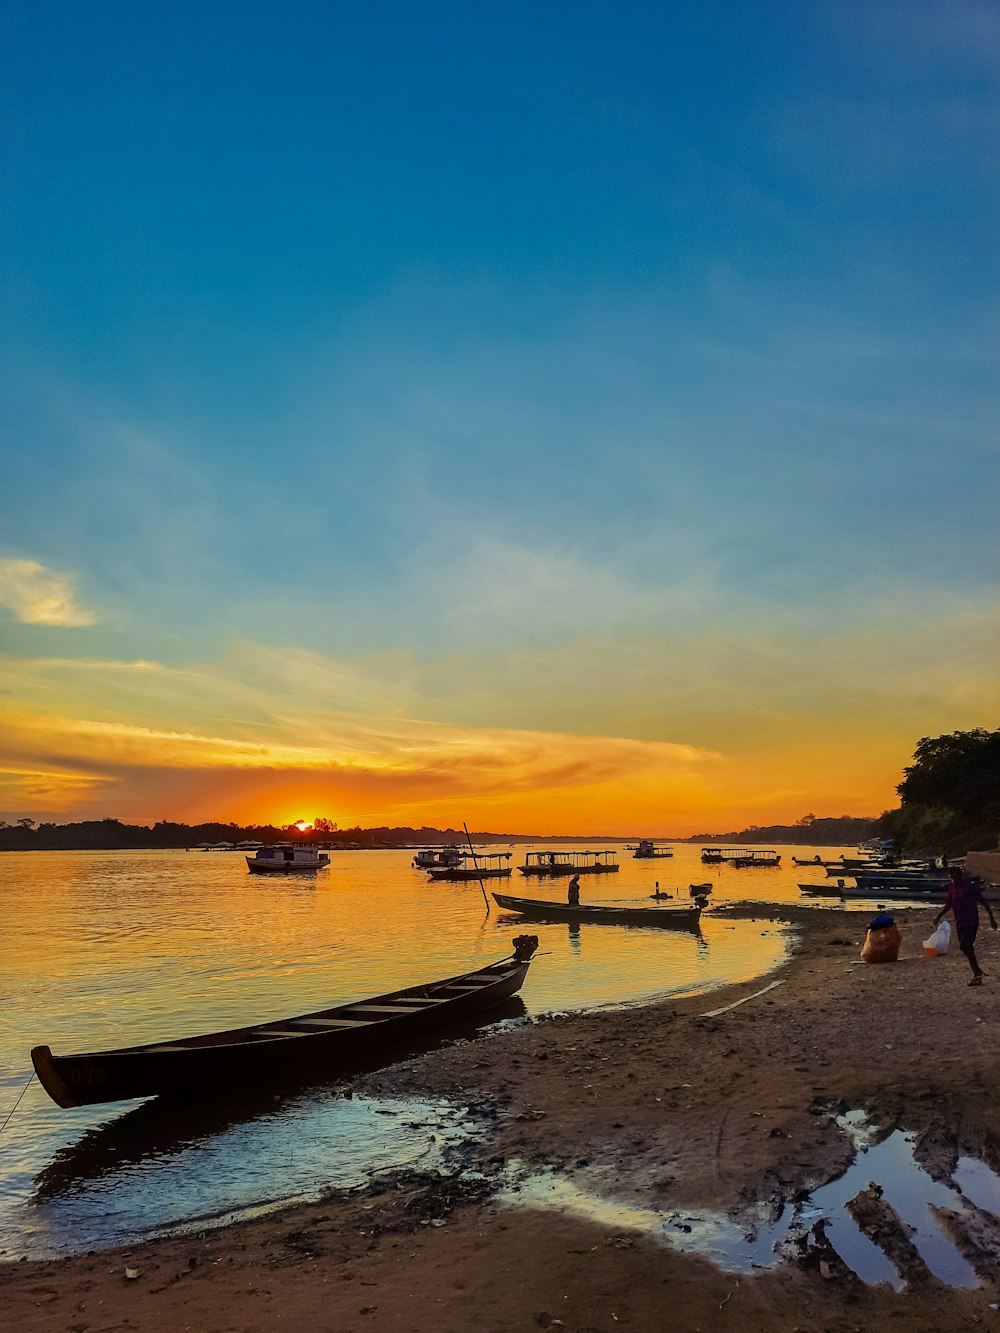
(302, 825)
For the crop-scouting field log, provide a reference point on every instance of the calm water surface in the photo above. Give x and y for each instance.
(102, 950)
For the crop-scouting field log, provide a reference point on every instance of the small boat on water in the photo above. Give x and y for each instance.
(694, 891)
(677, 918)
(647, 850)
(740, 856)
(935, 893)
(874, 878)
(437, 858)
(491, 866)
(917, 892)
(569, 863)
(287, 859)
(327, 1042)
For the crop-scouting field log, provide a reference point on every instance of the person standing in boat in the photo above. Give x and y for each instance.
(573, 892)
(964, 897)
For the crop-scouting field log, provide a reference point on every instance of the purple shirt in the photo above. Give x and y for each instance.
(963, 899)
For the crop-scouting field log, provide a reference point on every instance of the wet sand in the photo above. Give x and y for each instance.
(655, 1107)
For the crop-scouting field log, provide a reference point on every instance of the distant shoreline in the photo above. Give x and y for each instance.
(112, 835)
(412, 847)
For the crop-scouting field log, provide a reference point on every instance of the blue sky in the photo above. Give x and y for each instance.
(445, 336)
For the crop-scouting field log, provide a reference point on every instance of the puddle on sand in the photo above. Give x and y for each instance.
(291, 1153)
(761, 1240)
(908, 1188)
(713, 1235)
(978, 1183)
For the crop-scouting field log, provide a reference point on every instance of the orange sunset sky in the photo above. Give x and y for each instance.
(633, 737)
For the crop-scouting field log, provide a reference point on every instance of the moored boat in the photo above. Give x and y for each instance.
(740, 856)
(920, 879)
(569, 863)
(647, 850)
(287, 859)
(327, 1042)
(991, 893)
(437, 858)
(916, 892)
(491, 866)
(678, 918)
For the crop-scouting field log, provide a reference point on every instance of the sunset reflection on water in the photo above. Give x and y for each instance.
(111, 949)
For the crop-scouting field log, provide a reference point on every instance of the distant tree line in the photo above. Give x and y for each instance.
(111, 834)
(810, 830)
(949, 796)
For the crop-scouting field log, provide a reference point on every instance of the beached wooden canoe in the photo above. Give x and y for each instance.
(679, 918)
(327, 1042)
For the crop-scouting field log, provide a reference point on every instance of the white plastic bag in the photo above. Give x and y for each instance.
(939, 941)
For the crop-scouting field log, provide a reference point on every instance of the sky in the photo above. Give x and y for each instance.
(562, 420)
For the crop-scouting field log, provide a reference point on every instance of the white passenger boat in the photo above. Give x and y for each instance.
(287, 860)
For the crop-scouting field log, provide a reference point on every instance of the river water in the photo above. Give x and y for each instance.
(108, 949)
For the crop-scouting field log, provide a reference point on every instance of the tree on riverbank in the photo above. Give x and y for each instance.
(950, 795)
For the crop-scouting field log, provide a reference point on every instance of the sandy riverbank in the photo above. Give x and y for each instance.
(657, 1108)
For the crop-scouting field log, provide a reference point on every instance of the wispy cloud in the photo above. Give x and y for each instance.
(37, 596)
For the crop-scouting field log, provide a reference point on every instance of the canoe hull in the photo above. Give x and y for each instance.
(674, 918)
(259, 1054)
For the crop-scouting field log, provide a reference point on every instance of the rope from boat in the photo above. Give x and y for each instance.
(18, 1102)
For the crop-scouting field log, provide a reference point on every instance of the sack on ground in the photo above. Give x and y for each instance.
(881, 946)
(939, 941)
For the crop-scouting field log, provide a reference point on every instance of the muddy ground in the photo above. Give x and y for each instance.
(658, 1108)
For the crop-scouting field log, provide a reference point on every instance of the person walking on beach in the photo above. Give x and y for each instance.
(964, 897)
(573, 892)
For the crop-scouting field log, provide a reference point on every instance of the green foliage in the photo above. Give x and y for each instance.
(950, 795)
(960, 771)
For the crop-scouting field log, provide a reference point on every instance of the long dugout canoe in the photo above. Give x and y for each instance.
(326, 1042)
(677, 918)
